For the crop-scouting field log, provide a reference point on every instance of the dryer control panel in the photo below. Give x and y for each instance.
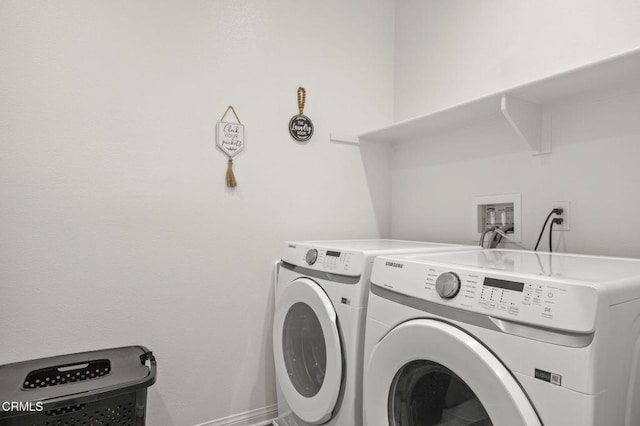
(534, 300)
(341, 262)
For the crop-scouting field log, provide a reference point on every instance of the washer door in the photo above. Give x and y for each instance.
(307, 350)
(427, 372)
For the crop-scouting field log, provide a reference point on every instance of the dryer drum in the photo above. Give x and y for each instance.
(426, 393)
(304, 348)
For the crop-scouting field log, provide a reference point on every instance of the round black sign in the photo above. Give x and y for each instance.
(300, 128)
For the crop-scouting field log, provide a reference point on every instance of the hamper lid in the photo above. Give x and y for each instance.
(86, 373)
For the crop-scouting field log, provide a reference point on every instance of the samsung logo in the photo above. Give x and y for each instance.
(395, 265)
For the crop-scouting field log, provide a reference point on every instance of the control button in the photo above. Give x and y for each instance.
(484, 303)
(312, 256)
(493, 305)
(503, 307)
(550, 295)
(448, 285)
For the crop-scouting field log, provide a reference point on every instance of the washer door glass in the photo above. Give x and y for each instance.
(304, 349)
(426, 393)
(307, 350)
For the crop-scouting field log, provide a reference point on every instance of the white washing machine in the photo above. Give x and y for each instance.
(503, 337)
(318, 337)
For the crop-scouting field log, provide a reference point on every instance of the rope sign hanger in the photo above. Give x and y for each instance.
(230, 140)
(300, 126)
(302, 98)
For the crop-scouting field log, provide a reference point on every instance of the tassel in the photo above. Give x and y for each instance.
(231, 179)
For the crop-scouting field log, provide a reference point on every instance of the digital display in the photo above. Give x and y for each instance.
(333, 253)
(507, 285)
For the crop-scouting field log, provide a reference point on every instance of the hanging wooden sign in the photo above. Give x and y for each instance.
(300, 126)
(230, 140)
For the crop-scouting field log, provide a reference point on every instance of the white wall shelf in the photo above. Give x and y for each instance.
(348, 138)
(524, 108)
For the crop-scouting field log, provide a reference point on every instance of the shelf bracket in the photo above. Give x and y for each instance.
(546, 130)
(526, 120)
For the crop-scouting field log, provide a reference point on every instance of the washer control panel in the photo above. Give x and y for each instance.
(448, 285)
(340, 262)
(536, 300)
(570, 307)
(311, 256)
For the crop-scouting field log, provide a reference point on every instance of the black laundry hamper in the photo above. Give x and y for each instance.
(105, 387)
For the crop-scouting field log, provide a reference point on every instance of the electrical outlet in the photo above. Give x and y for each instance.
(566, 214)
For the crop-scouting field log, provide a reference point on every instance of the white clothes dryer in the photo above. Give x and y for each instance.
(505, 338)
(318, 336)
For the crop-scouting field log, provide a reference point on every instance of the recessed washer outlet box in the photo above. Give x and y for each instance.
(503, 211)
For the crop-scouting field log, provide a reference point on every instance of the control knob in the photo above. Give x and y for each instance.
(448, 285)
(312, 256)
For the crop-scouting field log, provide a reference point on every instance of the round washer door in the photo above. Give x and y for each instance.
(307, 350)
(427, 372)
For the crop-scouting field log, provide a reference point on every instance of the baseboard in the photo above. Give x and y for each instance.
(257, 417)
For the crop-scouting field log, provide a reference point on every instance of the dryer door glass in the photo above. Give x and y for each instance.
(305, 352)
(429, 372)
(426, 393)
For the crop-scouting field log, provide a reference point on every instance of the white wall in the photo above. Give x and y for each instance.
(116, 227)
(451, 51)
